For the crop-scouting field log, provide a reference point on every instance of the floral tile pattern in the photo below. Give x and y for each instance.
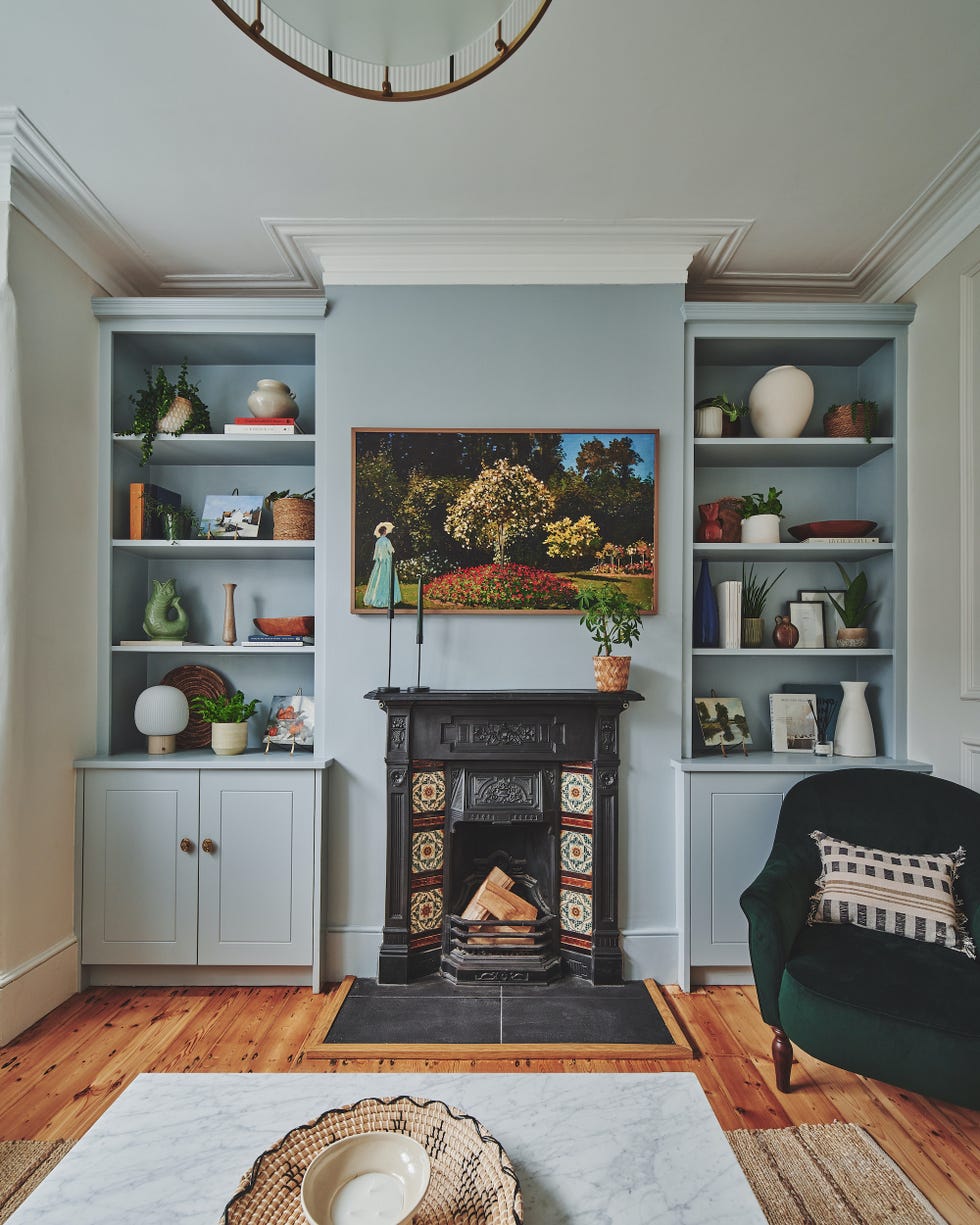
(576, 852)
(428, 791)
(426, 910)
(575, 909)
(427, 851)
(576, 792)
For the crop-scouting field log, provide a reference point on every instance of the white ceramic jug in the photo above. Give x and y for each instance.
(272, 399)
(854, 736)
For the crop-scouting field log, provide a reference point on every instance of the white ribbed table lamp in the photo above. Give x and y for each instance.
(161, 712)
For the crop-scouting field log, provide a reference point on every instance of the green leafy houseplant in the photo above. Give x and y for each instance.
(155, 401)
(869, 415)
(755, 592)
(222, 709)
(178, 522)
(762, 503)
(734, 412)
(610, 616)
(856, 605)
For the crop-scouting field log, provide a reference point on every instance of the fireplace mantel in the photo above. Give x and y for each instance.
(518, 757)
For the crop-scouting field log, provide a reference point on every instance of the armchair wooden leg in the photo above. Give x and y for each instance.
(782, 1058)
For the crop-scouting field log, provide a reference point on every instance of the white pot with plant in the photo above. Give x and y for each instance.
(761, 513)
(853, 634)
(717, 416)
(228, 718)
(612, 619)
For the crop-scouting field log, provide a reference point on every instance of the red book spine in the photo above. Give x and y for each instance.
(265, 420)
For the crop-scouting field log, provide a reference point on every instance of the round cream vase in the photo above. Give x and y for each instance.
(780, 403)
(760, 529)
(272, 399)
(229, 739)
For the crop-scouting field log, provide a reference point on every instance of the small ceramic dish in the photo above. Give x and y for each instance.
(284, 625)
(833, 527)
(375, 1176)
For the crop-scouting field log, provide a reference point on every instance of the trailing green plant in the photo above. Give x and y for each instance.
(856, 605)
(610, 616)
(762, 503)
(870, 410)
(222, 709)
(276, 494)
(755, 591)
(734, 412)
(182, 517)
(153, 402)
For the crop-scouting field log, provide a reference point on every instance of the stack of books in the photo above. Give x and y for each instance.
(843, 540)
(263, 425)
(277, 640)
(729, 596)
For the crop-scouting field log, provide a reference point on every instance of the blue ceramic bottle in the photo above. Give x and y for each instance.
(705, 611)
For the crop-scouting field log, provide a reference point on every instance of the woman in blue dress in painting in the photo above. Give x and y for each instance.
(383, 572)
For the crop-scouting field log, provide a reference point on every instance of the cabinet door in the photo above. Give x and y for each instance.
(733, 820)
(256, 875)
(139, 889)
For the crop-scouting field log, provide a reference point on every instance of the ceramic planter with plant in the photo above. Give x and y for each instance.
(163, 407)
(761, 513)
(717, 416)
(853, 634)
(228, 718)
(856, 419)
(612, 619)
(177, 522)
(755, 592)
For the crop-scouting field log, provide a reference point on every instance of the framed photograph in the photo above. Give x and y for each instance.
(808, 618)
(792, 721)
(291, 718)
(723, 723)
(502, 520)
(231, 516)
(831, 617)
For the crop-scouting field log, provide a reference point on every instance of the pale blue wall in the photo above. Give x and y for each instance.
(563, 357)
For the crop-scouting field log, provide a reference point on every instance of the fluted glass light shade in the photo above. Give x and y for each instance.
(161, 713)
(392, 50)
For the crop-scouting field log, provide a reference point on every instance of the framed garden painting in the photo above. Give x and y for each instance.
(502, 520)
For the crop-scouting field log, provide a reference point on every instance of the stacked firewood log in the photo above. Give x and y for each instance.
(495, 900)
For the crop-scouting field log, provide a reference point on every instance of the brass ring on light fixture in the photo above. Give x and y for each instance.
(385, 81)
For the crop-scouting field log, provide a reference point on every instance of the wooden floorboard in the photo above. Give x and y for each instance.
(60, 1075)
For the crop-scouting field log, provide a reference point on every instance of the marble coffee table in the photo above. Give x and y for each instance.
(607, 1149)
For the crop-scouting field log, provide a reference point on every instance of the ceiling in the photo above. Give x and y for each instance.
(813, 148)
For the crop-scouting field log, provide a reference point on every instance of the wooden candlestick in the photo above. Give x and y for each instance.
(230, 635)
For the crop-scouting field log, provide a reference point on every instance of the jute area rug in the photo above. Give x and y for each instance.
(822, 1174)
(23, 1164)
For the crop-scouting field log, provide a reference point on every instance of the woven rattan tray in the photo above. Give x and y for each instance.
(473, 1181)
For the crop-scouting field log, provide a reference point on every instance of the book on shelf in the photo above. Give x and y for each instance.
(729, 596)
(263, 427)
(143, 523)
(267, 421)
(158, 644)
(277, 640)
(843, 540)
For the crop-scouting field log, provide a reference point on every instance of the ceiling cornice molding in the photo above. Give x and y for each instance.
(37, 181)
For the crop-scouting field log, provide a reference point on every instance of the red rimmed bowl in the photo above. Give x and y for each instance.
(281, 626)
(833, 527)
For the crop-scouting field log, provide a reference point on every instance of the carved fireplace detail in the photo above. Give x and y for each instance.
(525, 781)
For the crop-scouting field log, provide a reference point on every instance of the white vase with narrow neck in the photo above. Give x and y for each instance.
(854, 736)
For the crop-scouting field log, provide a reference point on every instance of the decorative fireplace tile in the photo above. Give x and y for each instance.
(575, 909)
(426, 911)
(576, 852)
(428, 791)
(427, 851)
(576, 792)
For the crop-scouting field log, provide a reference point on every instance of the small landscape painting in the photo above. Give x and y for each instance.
(723, 722)
(231, 516)
(502, 520)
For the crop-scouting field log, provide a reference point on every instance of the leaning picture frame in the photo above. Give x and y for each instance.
(831, 617)
(808, 617)
(231, 516)
(723, 723)
(792, 722)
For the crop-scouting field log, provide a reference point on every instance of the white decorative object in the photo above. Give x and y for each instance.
(229, 739)
(854, 736)
(272, 399)
(161, 713)
(708, 421)
(378, 1176)
(760, 529)
(780, 403)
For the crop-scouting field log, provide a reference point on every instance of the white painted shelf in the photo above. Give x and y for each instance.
(220, 550)
(795, 551)
(263, 450)
(787, 452)
(790, 652)
(206, 648)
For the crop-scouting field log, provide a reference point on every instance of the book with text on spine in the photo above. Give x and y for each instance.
(843, 540)
(729, 596)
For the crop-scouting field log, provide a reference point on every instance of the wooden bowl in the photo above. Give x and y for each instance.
(279, 626)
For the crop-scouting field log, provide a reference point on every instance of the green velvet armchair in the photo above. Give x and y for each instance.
(874, 1003)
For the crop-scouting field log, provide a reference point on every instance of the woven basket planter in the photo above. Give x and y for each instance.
(838, 422)
(612, 672)
(292, 518)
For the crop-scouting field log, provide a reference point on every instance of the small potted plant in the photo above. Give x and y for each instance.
(761, 513)
(853, 634)
(856, 419)
(612, 619)
(228, 718)
(718, 416)
(178, 522)
(163, 407)
(755, 592)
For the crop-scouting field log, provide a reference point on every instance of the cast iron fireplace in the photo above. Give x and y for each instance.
(524, 781)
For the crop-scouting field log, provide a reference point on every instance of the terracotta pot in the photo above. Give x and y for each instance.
(852, 639)
(785, 634)
(229, 739)
(612, 672)
(752, 631)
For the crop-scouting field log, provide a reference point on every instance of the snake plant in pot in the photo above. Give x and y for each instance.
(612, 619)
(853, 633)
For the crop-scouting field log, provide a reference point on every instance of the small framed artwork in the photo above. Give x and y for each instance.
(807, 616)
(231, 516)
(793, 722)
(291, 718)
(831, 617)
(723, 723)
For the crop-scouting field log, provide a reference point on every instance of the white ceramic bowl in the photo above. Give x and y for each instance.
(378, 1176)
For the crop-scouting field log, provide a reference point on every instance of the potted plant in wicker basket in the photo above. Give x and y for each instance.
(228, 717)
(612, 619)
(293, 514)
(857, 419)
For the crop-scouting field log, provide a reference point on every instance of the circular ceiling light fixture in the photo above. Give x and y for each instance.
(392, 50)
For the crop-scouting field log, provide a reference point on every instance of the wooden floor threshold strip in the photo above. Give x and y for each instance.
(679, 1048)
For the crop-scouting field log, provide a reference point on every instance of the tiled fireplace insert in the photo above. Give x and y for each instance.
(524, 781)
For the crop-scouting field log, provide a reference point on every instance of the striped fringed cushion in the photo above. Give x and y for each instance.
(908, 895)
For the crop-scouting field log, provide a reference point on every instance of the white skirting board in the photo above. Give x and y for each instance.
(31, 990)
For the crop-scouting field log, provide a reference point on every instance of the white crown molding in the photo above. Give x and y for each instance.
(969, 473)
(39, 183)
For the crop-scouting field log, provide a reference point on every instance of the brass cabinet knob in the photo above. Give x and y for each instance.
(186, 845)
(208, 847)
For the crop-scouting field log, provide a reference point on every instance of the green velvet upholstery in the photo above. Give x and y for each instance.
(881, 1005)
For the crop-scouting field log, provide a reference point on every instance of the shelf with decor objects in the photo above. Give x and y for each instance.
(726, 806)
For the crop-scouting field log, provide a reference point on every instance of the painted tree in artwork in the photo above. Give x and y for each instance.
(504, 503)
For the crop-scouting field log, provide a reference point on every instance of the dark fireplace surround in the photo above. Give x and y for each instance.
(521, 780)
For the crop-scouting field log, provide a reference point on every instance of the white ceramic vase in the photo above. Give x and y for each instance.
(781, 402)
(272, 399)
(760, 529)
(229, 739)
(708, 422)
(854, 736)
